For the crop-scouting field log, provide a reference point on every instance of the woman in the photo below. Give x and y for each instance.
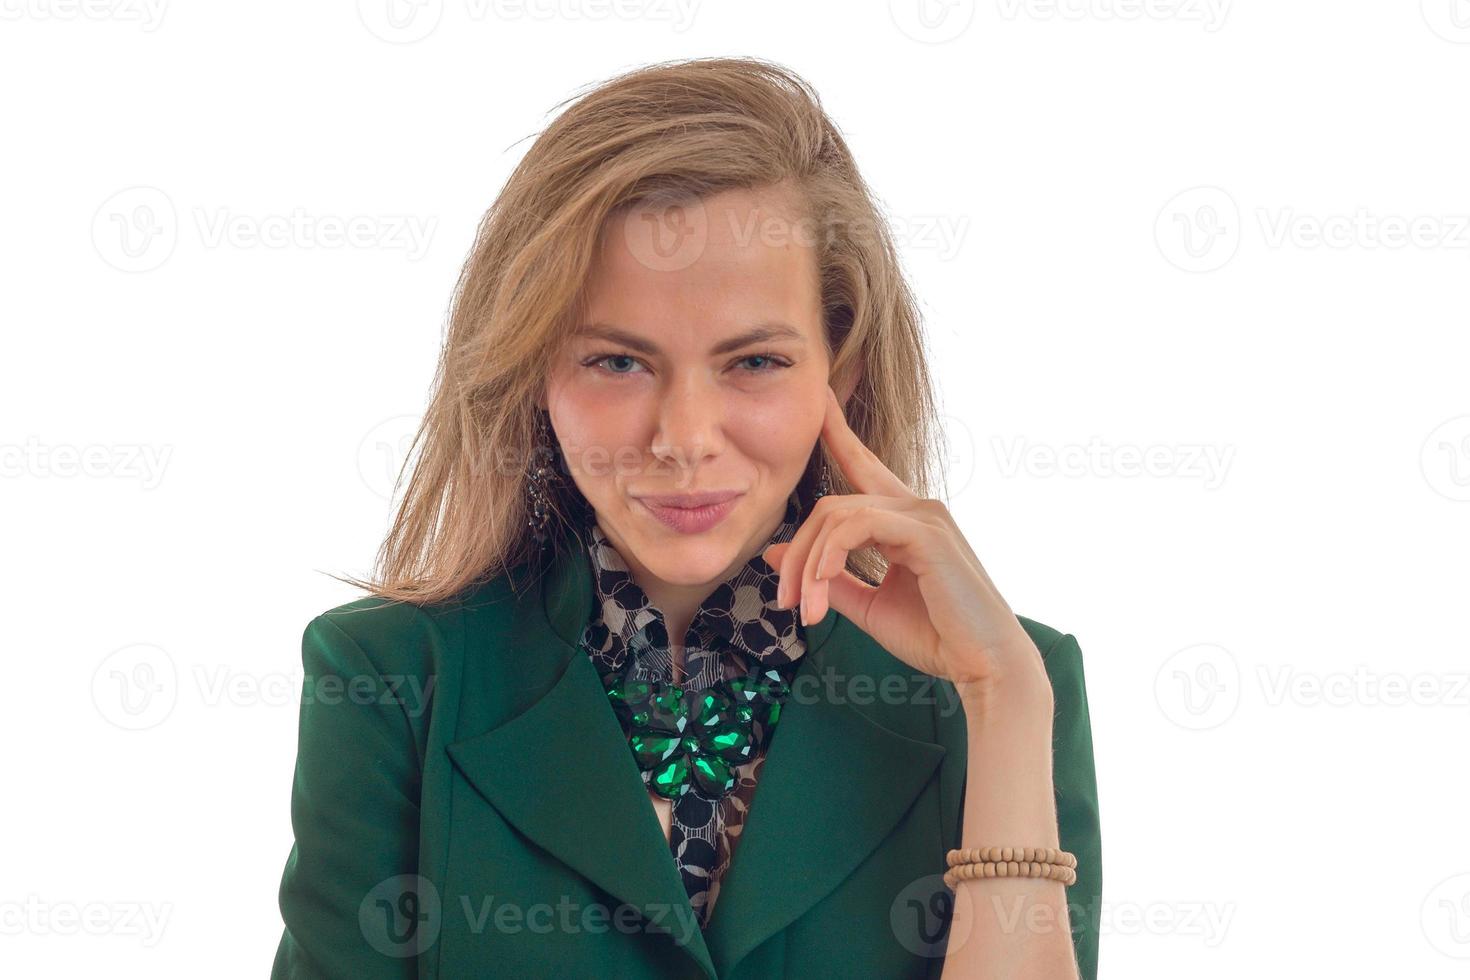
(671, 667)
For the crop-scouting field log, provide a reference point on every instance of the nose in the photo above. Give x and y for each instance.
(690, 427)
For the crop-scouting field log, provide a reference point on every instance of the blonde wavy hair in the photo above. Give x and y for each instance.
(660, 134)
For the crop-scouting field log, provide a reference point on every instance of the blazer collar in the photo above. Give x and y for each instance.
(739, 611)
(542, 767)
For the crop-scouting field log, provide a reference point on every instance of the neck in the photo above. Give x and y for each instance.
(677, 603)
(680, 603)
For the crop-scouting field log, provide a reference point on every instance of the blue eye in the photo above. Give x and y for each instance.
(614, 357)
(773, 363)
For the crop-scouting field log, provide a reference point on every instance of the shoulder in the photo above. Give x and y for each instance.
(1046, 638)
(393, 637)
(1062, 656)
(405, 637)
(863, 661)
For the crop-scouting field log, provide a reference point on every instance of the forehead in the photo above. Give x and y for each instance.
(705, 268)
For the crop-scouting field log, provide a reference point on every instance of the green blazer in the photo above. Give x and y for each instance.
(465, 805)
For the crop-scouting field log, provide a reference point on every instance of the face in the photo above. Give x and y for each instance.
(699, 367)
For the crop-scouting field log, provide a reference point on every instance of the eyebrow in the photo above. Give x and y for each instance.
(761, 333)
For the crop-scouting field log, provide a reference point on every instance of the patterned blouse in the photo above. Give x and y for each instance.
(736, 628)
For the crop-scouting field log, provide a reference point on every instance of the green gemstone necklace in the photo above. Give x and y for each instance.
(692, 741)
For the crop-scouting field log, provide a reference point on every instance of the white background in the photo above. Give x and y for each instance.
(1230, 239)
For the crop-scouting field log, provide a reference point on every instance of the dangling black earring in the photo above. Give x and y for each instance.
(824, 487)
(540, 476)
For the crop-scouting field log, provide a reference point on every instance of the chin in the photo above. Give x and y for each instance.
(680, 559)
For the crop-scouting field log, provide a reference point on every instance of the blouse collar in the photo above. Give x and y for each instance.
(741, 611)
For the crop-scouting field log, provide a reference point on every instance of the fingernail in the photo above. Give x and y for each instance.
(803, 611)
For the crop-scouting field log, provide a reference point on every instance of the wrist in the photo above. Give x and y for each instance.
(1021, 684)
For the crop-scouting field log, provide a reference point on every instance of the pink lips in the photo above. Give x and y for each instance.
(691, 513)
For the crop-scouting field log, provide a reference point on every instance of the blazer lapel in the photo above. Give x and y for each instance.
(827, 758)
(544, 769)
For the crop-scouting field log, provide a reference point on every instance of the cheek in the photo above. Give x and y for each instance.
(575, 417)
(600, 433)
(585, 428)
(782, 428)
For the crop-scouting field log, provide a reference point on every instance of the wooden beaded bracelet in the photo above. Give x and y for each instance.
(1044, 855)
(1010, 869)
(1010, 862)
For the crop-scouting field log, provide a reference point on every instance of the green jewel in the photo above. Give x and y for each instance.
(760, 695)
(682, 740)
(651, 748)
(671, 779)
(712, 778)
(712, 704)
(730, 740)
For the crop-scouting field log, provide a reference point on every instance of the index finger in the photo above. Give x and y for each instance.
(862, 467)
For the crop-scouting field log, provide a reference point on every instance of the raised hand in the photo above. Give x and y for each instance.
(936, 609)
